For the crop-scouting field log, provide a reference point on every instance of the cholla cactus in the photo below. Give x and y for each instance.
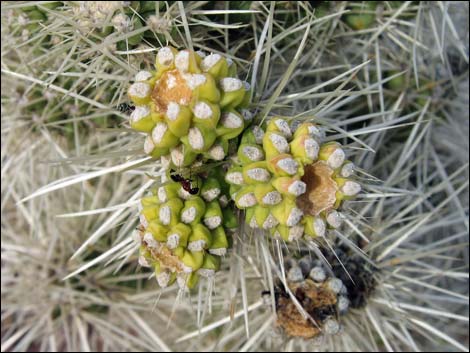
(189, 107)
(183, 235)
(106, 17)
(298, 66)
(94, 14)
(32, 17)
(289, 182)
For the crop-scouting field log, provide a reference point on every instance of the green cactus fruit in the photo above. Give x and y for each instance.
(210, 265)
(191, 107)
(213, 216)
(183, 236)
(289, 182)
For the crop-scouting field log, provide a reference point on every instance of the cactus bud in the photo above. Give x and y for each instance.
(200, 238)
(245, 197)
(141, 119)
(187, 281)
(314, 226)
(178, 235)
(158, 231)
(213, 216)
(168, 191)
(165, 59)
(139, 93)
(219, 242)
(193, 210)
(279, 126)
(334, 219)
(348, 189)
(199, 138)
(169, 212)
(347, 169)
(234, 176)
(178, 118)
(211, 189)
(206, 114)
(284, 165)
(309, 129)
(289, 186)
(162, 137)
(287, 213)
(274, 144)
(205, 88)
(181, 156)
(192, 260)
(305, 149)
(248, 153)
(256, 173)
(232, 92)
(230, 125)
(332, 154)
(210, 265)
(267, 196)
(262, 218)
(215, 65)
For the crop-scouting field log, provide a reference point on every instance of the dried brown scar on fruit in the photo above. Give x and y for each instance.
(317, 300)
(171, 87)
(167, 260)
(321, 189)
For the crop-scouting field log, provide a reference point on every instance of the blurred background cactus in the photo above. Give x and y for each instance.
(84, 204)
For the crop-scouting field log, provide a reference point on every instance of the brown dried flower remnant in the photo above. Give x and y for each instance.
(317, 300)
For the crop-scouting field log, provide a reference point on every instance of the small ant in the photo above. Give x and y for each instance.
(125, 108)
(185, 182)
(176, 177)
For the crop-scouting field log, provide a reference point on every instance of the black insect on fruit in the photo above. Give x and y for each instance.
(186, 183)
(187, 186)
(125, 108)
(193, 191)
(176, 177)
